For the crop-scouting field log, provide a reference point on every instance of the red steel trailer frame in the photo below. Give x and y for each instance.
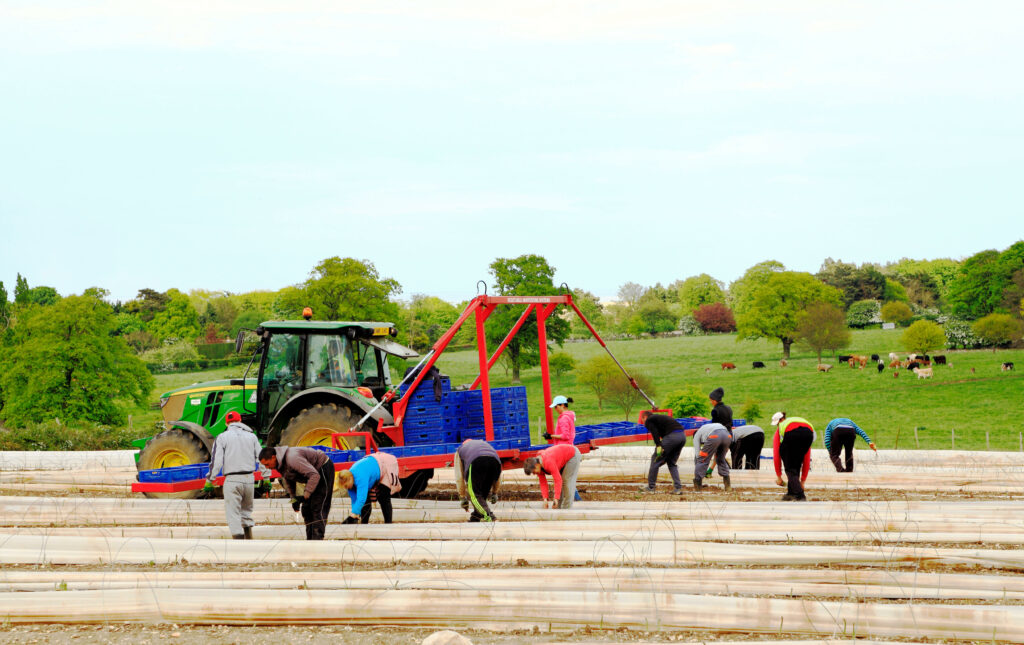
(480, 307)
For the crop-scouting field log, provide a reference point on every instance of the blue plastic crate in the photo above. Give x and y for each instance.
(466, 433)
(582, 436)
(159, 475)
(424, 424)
(394, 450)
(501, 444)
(421, 438)
(427, 384)
(739, 422)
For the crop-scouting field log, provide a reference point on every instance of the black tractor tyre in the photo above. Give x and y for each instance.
(415, 483)
(173, 448)
(314, 427)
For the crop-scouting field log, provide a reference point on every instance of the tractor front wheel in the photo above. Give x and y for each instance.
(173, 448)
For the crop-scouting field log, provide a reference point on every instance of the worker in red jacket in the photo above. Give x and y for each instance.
(791, 450)
(562, 462)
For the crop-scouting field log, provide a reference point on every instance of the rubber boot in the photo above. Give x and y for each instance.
(696, 484)
(247, 532)
(728, 485)
(238, 537)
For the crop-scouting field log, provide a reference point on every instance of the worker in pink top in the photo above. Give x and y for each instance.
(565, 429)
(562, 462)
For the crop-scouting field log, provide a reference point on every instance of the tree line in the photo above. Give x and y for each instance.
(87, 358)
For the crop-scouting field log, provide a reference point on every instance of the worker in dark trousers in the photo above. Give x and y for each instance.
(236, 455)
(746, 446)
(371, 479)
(720, 412)
(791, 450)
(669, 439)
(477, 477)
(711, 443)
(315, 470)
(840, 435)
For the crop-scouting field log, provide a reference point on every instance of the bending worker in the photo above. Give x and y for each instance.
(236, 454)
(710, 443)
(840, 435)
(562, 462)
(477, 476)
(791, 449)
(315, 470)
(747, 443)
(669, 439)
(371, 479)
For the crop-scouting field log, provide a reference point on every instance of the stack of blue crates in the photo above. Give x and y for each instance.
(426, 418)
(508, 412)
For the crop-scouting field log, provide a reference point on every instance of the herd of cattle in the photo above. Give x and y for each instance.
(920, 365)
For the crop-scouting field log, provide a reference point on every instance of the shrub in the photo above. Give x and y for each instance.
(959, 334)
(923, 337)
(715, 317)
(596, 374)
(863, 313)
(560, 363)
(687, 402)
(997, 330)
(689, 326)
(750, 411)
(896, 312)
(51, 435)
(622, 392)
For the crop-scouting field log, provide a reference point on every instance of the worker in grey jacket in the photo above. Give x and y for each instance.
(747, 443)
(711, 443)
(236, 455)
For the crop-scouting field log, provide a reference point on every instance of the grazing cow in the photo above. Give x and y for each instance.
(758, 364)
(844, 358)
(1007, 366)
(940, 359)
(924, 362)
(881, 366)
(874, 357)
(926, 358)
(923, 372)
(783, 362)
(893, 356)
(896, 374)
(824, 367)
(895, 364)
(707, 370)
(728, 366)
(858, 360)
(913, 365)
(972, 370)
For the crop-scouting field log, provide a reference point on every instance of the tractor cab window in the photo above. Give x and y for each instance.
(330, 362)
(282, 370)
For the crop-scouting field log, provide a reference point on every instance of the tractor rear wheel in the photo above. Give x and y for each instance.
(314, 427)
(173, 448)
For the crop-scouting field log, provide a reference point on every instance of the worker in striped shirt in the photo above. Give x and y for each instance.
(840, 435)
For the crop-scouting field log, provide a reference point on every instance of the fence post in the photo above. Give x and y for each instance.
(897, 446)
(987, 446)
(1021, 442)
(952, 438)
(917, 444)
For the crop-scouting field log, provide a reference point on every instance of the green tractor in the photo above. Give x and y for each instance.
(312, 379)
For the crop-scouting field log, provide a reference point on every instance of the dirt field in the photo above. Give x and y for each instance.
(895, 551)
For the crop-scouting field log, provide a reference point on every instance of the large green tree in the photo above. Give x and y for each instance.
(349, 289)
(863, 283)
(776, 306)
(923, 336)
(983, 281)
(66, 361)
(700, 290)
(591, 307)
(741, 291)
(997, 330)
(427, 318)
(178, 319)
(526, 275)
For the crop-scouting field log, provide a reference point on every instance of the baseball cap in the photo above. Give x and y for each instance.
(232, 417)
(558, 400)
(776, 418)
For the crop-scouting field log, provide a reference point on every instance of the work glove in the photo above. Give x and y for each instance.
(296, 504)
(493, 499)
(873, 447)
(547, 435)
(464, 503)
(350, 520)
(208, 486)
(710, 470)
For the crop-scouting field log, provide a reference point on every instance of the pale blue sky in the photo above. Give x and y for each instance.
(232, 145)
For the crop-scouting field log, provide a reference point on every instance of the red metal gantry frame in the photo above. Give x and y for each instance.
(481, 307)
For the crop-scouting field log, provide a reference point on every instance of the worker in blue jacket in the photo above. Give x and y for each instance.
(840, 435)
(364, 485)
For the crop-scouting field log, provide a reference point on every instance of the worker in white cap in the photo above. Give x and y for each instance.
(791, 450)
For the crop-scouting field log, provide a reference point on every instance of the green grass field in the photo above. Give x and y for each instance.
(955, 399)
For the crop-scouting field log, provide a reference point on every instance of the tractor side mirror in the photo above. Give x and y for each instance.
(239, 339)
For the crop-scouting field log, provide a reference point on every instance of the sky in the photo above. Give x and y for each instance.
(204, 144)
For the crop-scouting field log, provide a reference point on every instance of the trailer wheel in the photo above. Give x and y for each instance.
(415, 483)
(173, 448)
(314, 427)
